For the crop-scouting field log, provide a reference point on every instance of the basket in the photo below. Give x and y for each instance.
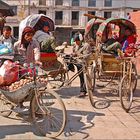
(19, 95)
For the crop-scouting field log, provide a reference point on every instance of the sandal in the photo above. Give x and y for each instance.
(82, 94)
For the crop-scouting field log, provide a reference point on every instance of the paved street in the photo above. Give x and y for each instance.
(84, 121)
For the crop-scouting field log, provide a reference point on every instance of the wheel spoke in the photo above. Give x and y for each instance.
(53, 121)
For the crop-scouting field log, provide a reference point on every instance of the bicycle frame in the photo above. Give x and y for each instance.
(69, 80)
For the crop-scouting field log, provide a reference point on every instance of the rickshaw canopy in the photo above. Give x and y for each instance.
(91, 23)
(121, 22)
(35, 21)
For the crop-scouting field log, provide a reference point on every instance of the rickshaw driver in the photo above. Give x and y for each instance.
(80, 49)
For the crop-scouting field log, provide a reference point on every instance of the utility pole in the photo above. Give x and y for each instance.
(29, 4)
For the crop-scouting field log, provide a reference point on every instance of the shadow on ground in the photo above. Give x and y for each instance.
(69, 92)
(77, 121)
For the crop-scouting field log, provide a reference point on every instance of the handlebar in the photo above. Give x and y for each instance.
(80, 59)
(70, 56)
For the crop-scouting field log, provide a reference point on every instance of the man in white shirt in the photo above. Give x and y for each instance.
(7, 39)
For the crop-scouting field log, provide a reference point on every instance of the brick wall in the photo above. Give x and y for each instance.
(136, 20)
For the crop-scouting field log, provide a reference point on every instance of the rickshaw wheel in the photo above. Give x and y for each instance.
(48, 113)
(58, 81)
(5, 106)
(89, 87)
(134, 77)
(93, 76)
(126, 93)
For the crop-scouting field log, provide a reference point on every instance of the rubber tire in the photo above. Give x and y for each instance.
(121, 93)
(135, 77)
(63, 109)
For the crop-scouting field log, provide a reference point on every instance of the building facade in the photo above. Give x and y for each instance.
(69, 14)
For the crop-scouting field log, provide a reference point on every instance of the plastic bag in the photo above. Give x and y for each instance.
(8, 73)
(4, 49)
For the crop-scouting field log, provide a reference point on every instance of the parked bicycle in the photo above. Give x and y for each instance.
(46, 109)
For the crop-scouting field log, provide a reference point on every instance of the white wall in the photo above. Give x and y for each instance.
(67, 17)
(67, 12)
(66, 2)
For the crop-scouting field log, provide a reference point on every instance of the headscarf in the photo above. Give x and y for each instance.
(26, 30)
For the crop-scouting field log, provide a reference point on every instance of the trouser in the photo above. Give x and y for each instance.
(113, 48)
(81, 76)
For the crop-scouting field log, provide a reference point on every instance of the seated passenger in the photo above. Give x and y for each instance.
(48, 56)
(113, 47)
(119, 49)
(128, 44)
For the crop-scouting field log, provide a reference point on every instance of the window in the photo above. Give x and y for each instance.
(42, 2)
(42, 12)
(58, 2)
(107, 14)
(92, 3)
(108, 3)
(58, 17)
(75, 2)
(92, 13)
(75, 17)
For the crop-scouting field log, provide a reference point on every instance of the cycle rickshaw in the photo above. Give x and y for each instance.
(53, 67)
(107, 68)
(46, 110)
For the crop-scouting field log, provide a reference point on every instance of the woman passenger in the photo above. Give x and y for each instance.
(27, 48)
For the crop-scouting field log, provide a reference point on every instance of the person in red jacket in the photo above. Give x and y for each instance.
(128, 44)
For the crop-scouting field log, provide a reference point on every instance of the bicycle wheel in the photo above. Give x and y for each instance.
(5, 106)
(93, 76)
(89, 87)
(48, 113)
(126, 93)
(58, 81)
(134, 77)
